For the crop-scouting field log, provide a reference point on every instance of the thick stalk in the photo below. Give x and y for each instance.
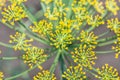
(6, 45)
(9, 58)
(55, 62)
(18, 75)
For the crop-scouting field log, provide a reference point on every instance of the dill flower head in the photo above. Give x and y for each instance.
(84, 56)
(59, 10)
(114, 24)
(1, 75)
(34, 56)
(42, 27)
(62, 36)
(88, 38)
(44, 75)
(75, 73)
(20, 41)
(107, 73)
(79, 10)
(95, 21)
(17, 1)
(13, 13)
(112, 6)
(99, 7)
(2, 3)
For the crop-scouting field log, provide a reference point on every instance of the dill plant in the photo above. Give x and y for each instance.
(63, 30)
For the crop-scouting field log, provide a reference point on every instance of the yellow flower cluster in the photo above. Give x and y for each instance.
(62, 36)
(107, 73)
(88, 38)
(95, 21)
(79, 10)
(59, 10)
(91, 2)
(2, 3)
(43, 28)
(84, 56)
(17, 1)
(44, 75)
(46, 2)
(74, 73)
(13, 13)
(99, 7)
(1, 75)
(34, 56)
(112, 6)
(20, 41)
(114, 24)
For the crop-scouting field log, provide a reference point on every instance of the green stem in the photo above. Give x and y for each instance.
(6, 45)
(30, 16)
(103, 52)
(90, 72)
(8, 58)
(55, 62)
(107, 43)
(106, 39)
(18, 75)
(101, 35)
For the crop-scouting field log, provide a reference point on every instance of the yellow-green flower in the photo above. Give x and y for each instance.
(95, 21)
(1, 75)
(88, 38)
(62, 36)
(44, 75)
(42, 27)
(79, 10)
(34, 56)
(20, 42)
(2, 3)
(13, 13)
(99, 7)
(84, 56)
(112, 6)
(17, 1)
(107, 73)
(59, 10)
(74, 73)
(114, 24)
